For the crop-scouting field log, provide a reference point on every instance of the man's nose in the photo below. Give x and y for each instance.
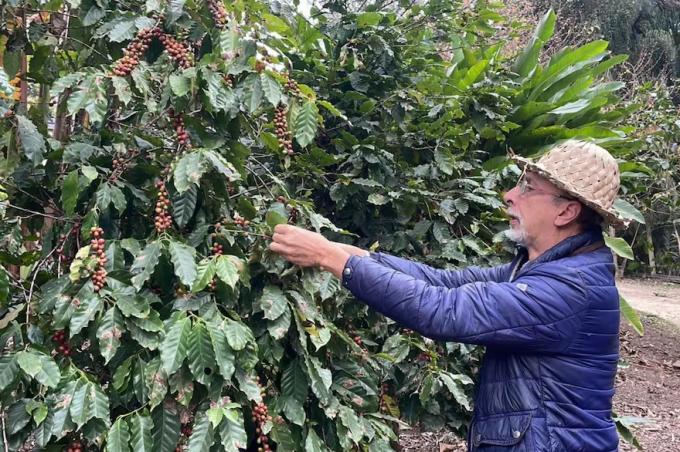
(510, 196)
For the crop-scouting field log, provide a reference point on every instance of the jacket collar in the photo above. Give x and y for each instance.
(566, 247)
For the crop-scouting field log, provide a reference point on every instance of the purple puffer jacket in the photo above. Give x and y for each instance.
(551, 331)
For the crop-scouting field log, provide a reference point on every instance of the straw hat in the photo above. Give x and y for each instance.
(585, 171)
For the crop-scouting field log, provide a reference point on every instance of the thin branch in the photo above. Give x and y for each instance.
(39, 213)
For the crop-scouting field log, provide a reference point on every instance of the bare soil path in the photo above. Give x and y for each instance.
(661, 299)
(648, 382)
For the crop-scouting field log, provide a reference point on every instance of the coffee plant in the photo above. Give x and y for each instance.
(154, 147)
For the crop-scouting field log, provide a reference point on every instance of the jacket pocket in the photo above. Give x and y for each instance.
(505, 430)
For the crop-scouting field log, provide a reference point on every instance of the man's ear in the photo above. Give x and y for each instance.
(568, 213)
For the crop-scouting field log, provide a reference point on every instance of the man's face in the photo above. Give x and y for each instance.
(532, 206)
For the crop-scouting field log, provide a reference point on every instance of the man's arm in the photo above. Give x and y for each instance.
(436, 277)
(533, 313)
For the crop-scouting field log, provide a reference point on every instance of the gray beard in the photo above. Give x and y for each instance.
(516, 235)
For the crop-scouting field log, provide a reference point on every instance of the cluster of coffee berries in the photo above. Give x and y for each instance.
(134, 51)
(217, 249)
(282, 132)
(75, 446)
(240, 221)
(291, 86)
(229, 79)
(358, 341)
(59, 338)
(178, 51)
(120, 163)
(97, 248)
(180, 130)
(260, 417)
(163, 219)
(260, 66)
(219, 12)
(185, 431)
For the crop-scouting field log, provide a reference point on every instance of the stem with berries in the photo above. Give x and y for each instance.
(178, 51)
(219, 13)
(98, 244)
(163, 220)
(282, 132)
(134, 51)
(62, 346)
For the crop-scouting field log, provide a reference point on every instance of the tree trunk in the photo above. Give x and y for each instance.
(650, 249)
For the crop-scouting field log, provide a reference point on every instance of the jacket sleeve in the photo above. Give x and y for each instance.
(536, 312)
(444, 278)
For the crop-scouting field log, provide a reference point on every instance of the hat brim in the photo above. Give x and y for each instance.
(610, 216)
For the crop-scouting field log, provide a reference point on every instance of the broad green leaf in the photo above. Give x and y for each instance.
(202, 435)
(215, 415)
(456, 391)
(223, 353)
(473, 74)
(109, 332)
(222, 166)
(166, 427)
(87, 309)
(9, 368)
(273, 302)
(276, 214)
(134, 305)
(294, 382)
(305, 123)
(253, 93)
(70, 192)
(628, 211)
(205, 272)
(272, 89)
(99, 403)
(350, 420)
(40, 414)
(144, 264)
(30, 139)
(175, 345)
(276, 24)
(39, 366)
(122, 89)
(80, 406)
(279, 328)
(118, 437)
(201, 355)
(631, 315)
(179, 84)
(109, 193)
(368, 19)
(619, 246)
(141, 427)
(184, 205)
(293, 410)
(232, 432)
(238, 335)
(184, 260)
(219, 96)
(156, 382)
(313, 443)
(248, 385)
(320, 379)
(226, 270)
(188, 171)
(527, 61)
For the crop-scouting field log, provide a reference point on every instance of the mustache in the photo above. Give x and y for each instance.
(513, 214)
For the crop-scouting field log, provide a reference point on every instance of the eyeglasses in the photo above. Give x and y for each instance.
(525, 188)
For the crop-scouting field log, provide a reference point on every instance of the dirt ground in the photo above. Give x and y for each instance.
(648, 383)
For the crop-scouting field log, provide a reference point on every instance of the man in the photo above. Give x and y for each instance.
(549, 319)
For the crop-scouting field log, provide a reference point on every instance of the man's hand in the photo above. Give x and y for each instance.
(308, 249)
